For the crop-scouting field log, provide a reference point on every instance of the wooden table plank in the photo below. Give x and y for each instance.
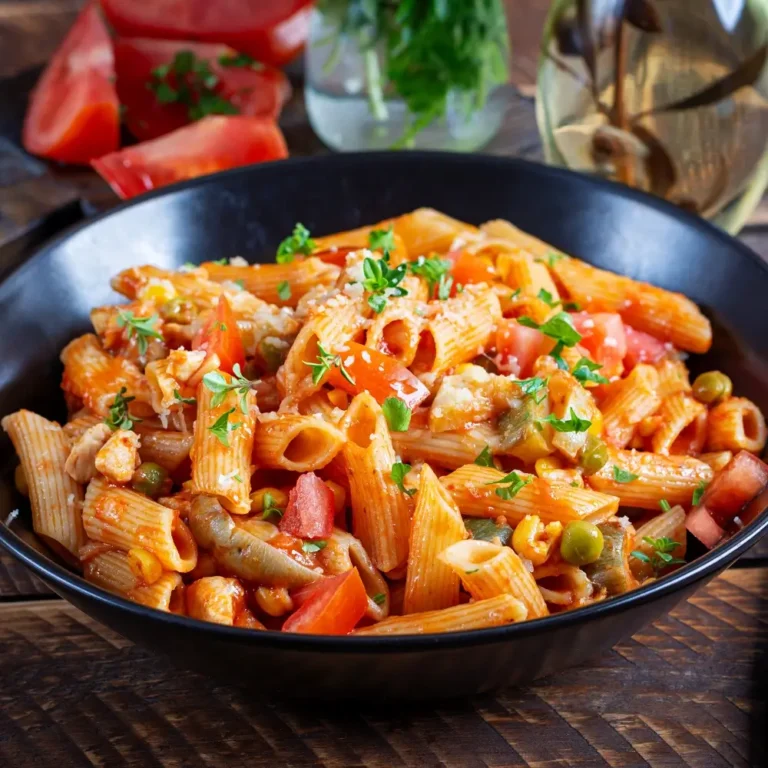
(75, 693)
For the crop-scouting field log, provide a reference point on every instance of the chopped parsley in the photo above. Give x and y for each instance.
(622, 475)
(119, 417)
(572, 424)
(397, 414)
(284, 290)
(382, 240)
(241, 284)
(664, 504)
(531, 386)
(547, 298)
(314, 546)
(300, 242)
(143, 328)
(382, 281)
(222, 427)
(217, 384)
(379, 598)
(514, 484)
(326, 361)
(485, 458)
(183, 400)
(241, 61)
(585, 370)
(514, 294)
(662, 555)
(551, 259)
(698, 493)
(560, 328)
(435, 272)
(269, 509)
(399, 471)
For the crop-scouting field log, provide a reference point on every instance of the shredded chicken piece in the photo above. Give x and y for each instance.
(119, 456)
(81, 462)
(180, 370)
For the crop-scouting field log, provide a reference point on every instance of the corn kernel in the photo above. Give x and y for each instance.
(144, 565)
(597, 423)
(547, 464)
(158, 292)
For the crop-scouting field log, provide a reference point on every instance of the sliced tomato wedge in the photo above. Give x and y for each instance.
(603, 336)
(333, 606)
(379, 374)
(220, 336)
(74, 114)
(471, 268)
(642, 347)
(213, 144)
(703, 526)
(310, 510)
(255, 91)
(272, 32)
(518, 347)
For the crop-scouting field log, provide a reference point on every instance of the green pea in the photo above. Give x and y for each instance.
(711, 387)
(582, 543)
(149, 479)
(593, 456)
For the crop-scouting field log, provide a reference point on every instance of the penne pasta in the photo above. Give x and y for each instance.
(668, 525)
(680, 413)
(628, 402)
(54, 496)
(445, 449)
(736, 424)
(430, 584)
(396, 331)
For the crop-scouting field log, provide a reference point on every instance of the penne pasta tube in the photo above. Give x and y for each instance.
(340, 244)
(504, 230)
(55, 498)
(126, 519)
(216, 599)
(736, 424)
(380, 511)
(520, 270)
(396, 330)
(96, 377)
(493, 612)
(295, 442)
(643, 479)
(426, 231)
(629, 401)
(446, 449)
(474, 488)
(82, 422)
(430, 583)
(223, 445)
(487, 570)
(460, 330)
(676, 414)
(563, 585)
(716, 459)
(242, 553)
(111, 570)
(673, 377)
(668, 525)
(265, 280)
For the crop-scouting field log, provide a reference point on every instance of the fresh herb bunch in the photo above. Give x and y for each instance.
(428, 48)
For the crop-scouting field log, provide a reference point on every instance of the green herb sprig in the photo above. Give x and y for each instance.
(299, 242)
(326, 361)
(143, 328)
(514, 484)
(217, 384)
(662, 553)
(119, 417)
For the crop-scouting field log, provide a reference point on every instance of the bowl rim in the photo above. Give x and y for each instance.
(702, 568)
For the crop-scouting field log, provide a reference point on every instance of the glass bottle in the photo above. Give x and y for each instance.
(670, 96)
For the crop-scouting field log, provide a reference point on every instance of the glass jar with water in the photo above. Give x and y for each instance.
(406, 74)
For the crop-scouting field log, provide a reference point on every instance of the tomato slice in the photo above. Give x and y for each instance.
(603, 336)
(310, 510)
(74, 114)
(333, 607)
(272, 32)
(220, 336)
(471, 268)
(703, 526)
(642, 347)
(212, 144)
(518, 347)
(379, 374)
(254, 92)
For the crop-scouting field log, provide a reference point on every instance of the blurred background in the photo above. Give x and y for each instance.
(106, 100)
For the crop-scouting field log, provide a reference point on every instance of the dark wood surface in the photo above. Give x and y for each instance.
(72, 693)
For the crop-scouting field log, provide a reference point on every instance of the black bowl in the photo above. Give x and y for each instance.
(247, 212)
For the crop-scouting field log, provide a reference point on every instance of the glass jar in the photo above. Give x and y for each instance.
(354, 104)
(670, 96)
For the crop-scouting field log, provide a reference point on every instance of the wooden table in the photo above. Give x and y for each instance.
(73, 693)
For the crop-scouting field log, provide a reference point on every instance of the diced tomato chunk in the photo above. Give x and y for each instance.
(471, 268)
(642, 347)
(333, 606)
(518, 347)
(735, 485)
(381, 375)
(310, 510)
(603, 336)
(220, 336)
(336, 256)
(703, 526)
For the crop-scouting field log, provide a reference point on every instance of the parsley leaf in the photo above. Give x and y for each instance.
(531, 386)
(314, 546)
(221, 428)
(217, 384)
(622, 475)
(119, 416)
(573, 424)
(435, 272)
(382, 281)
(379, 598)
(399, 471)
(269, 509)
(326, 361)
(382, 240)
(585, 370)
(560, 328)
(183, 400)
(662, 553)
(240, 60)
(551, 259)
(284, 290)
(514, 484)
(698, 493)
(485, 458)
(664, 504)
(515, 294)
(397, 414)
(547, 298)
(299, 242)
(140, 327)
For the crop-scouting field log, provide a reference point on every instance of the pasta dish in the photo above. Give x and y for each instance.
(417, 426)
